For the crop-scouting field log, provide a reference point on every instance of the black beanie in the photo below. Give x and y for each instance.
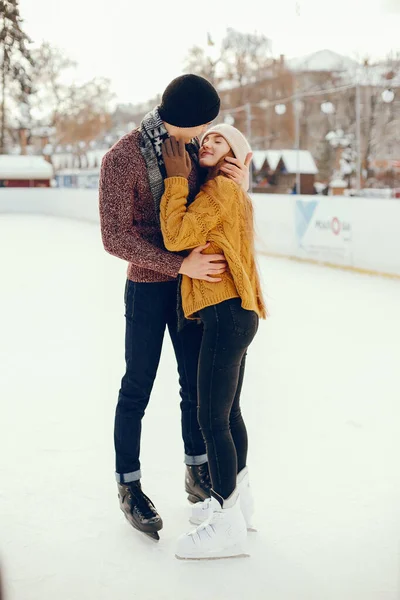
(189, 101)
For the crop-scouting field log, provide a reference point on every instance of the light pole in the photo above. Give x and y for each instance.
(280, 109)
(297, 108)
(248, 134)
(358, 135)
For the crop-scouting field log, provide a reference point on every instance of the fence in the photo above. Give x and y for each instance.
(358, 233)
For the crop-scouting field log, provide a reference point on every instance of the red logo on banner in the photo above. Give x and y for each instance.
(336, 226)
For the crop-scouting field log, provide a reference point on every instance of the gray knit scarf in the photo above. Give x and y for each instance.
(153, 134)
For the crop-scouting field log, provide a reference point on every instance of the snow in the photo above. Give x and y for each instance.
(351, 71)
(68, 160)
(323, 60)
(273, 157)
(320, 401)
(24, 167)
(301, 160)
(95, 156)
(259, 157)
(338, 183)
(306, 161)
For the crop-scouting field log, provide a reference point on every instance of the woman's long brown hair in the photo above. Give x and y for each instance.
(214, 172)
(249, 218)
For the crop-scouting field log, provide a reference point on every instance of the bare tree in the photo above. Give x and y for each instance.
(241, 59)
(85, 116)
(246, 56)
(51, 94)
(76, 114)
(16, 60)
(200, 62)
(379, 120)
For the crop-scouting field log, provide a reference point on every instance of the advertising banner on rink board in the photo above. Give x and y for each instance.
(324, 229)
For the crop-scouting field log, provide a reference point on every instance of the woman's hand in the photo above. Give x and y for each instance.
(238, 171)
(176, 159)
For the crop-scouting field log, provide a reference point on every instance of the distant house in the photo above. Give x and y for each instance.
(275, 171)
(78, 178)
(74, 171)
(89, 159)
(337, 187)
(24, 171)
(265, 159)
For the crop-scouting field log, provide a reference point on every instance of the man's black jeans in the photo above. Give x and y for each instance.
(228, 331)
(149, 309)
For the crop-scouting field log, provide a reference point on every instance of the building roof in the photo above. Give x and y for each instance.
(350, 71)
(301, 161)
(323, 60)
(306, 162)
(272, 156)
(338, 183)
(24, 167)
(259, 157)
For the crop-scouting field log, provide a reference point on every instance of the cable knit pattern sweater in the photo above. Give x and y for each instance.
(129, 224)
(217, 215)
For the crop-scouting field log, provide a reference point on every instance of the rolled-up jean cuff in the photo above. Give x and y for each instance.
(128, 477)
(195, 461)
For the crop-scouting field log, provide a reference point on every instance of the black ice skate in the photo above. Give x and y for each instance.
(139, 509)
(197, 483)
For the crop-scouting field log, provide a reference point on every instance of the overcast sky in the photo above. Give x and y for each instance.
(142, 48)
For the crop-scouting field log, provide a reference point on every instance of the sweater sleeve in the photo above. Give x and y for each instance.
(119, 235)
(185, 227)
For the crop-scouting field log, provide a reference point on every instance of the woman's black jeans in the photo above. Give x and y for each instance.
(228, 331)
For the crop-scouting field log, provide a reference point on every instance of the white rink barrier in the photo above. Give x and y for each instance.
(357, 233)
(72, 204)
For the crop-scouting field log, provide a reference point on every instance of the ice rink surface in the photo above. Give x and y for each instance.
(321, 401)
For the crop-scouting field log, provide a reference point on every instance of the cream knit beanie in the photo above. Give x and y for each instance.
(240, 146)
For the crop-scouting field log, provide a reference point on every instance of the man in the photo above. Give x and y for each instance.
(131, 186)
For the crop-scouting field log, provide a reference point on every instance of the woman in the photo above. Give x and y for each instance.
(229, 309)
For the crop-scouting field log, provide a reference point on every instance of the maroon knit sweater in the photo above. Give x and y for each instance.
(129, 225)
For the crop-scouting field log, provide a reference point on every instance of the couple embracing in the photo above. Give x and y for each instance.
(177, 210)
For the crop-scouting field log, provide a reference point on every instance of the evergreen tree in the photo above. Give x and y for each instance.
(15, 59)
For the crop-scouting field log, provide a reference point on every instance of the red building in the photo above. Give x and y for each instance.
(24, 171)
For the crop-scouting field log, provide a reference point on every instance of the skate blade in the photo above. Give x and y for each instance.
(211, 557)
(235, 551)
(251, 529)
(152, 535)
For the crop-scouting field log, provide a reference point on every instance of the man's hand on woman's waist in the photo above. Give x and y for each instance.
(203, 266)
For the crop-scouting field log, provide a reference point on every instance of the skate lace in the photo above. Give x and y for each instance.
(206, 504)
(142, 504)
(204, 477)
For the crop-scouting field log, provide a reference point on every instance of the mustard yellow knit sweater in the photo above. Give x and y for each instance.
(217, 215)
